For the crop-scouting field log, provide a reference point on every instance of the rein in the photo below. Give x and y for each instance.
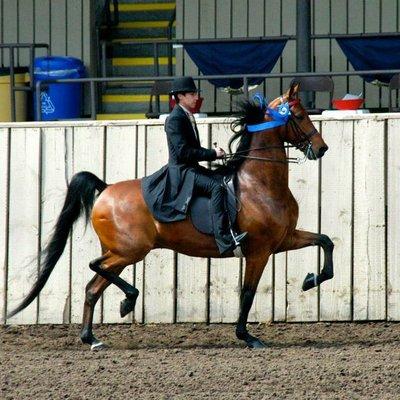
(294, 160)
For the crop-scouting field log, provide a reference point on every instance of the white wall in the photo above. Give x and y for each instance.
(351, 195)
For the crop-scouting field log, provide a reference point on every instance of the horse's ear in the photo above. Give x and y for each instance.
(293, 91)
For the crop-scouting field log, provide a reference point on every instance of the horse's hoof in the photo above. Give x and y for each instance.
(97, 346)
(310, 281)
(255, 343)
(127, 305)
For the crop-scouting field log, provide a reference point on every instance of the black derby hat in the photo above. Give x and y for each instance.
(183, 84)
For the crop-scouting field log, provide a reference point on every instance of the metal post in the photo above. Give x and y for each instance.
(12, 84)
(156, 73)
(31, 62)
(103, 60)
(103, 67)
(303, 44)
(169, 59)
(38, 110)
(92, 100)
(156, 66)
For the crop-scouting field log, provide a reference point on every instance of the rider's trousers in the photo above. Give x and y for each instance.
(212, 188)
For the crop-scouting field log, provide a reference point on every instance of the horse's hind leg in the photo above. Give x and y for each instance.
(107, 267)
(94, 289)
(131, 293)
(301, 239)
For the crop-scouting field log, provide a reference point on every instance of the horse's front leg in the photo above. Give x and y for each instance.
(254, 270)
(300, 239)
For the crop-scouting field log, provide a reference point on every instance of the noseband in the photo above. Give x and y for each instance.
(304, 136)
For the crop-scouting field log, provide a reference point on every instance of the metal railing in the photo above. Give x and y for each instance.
(13, 88)
(246, 77)
(105, 44)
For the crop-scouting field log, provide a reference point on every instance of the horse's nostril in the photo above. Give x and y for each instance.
(322, 150)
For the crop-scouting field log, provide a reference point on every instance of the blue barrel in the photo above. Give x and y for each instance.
(59, 100)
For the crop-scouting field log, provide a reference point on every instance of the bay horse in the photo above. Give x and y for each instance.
(127, 230)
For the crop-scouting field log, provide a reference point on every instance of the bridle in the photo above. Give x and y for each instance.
(304, 144)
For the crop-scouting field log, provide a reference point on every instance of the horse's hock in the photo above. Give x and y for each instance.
(37, 159)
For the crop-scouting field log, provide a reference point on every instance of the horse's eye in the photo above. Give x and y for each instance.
(299, 116)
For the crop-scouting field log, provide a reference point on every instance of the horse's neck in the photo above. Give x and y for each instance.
(271, 174)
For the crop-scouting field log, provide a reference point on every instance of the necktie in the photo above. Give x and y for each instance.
(193, 122)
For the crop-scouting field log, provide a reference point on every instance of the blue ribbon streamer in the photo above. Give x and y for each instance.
(279, 117)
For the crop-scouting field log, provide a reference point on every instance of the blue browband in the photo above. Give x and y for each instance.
(279, 117)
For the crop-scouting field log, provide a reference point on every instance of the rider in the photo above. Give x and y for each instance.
(168, 191)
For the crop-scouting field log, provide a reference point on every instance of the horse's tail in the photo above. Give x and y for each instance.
(80, 198)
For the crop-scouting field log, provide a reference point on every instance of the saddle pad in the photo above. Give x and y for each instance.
(200, 210)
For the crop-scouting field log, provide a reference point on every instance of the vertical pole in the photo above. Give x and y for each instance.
(12, 85)
(38, 110)
(31, 62)
(156, 73)
(303, 39)
(92, 100)
(103, 59)
(156, 65)
(170, 58)
(103, 85)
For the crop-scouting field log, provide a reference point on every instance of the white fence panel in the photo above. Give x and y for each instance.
(4, 138)
(336, 218)
(393, 220)
(369, 221)
(54, 300)
(88, 155)
(23, 221)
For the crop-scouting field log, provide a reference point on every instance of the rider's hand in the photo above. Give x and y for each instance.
(220, 152)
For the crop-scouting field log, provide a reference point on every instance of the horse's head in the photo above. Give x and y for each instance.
(300, 131)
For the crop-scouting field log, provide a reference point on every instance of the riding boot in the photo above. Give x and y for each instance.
(226, 240)
(219, 220)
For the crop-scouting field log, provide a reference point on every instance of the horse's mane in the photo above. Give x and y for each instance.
(250, 112)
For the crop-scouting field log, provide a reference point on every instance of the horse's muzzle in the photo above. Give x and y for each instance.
(322, 150)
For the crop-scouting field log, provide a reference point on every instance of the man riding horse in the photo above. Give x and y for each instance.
(128, 231)
(168, 191)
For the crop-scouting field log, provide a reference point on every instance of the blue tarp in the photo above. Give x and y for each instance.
(372, 53)
(221, 58)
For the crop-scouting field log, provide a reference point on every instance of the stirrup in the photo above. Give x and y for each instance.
(237, 239)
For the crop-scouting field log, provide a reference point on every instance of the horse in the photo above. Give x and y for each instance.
(127, 231)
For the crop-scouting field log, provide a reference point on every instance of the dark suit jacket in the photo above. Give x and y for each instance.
(168, 191)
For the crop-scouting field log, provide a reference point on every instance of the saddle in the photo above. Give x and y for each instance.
(200, 207)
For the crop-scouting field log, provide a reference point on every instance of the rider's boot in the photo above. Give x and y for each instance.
(227, 240)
